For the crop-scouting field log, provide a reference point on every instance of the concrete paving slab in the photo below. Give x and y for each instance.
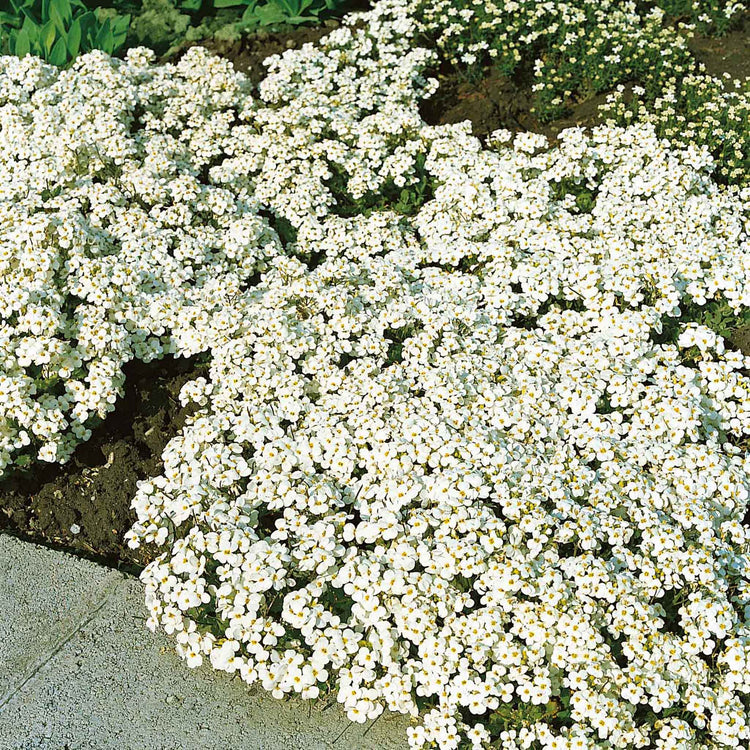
(41, 605)
(102, 681)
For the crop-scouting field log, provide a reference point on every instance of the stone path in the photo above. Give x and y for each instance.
(80, 671)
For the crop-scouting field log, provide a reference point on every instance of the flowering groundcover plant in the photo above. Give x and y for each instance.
(450, 459)
(574, 50)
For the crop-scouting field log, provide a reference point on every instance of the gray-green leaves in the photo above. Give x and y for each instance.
(271, 12)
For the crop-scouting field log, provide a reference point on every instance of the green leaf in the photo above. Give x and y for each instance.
(47, 37)
(11, 19)
(74, 39)
(105, 40)
(120, 27)
(270, 14)
(56, 19)
(89, 30)
(99, 31)
(88, 23)
(59, 54)
(248, 17)
(120, 23)
(28, 15)
(228, 3)
(65, 9)
(288, 8)
(22, 45)
(31, 27)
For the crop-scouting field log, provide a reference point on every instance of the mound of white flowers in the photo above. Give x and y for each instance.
(111, 243)
(442, 463)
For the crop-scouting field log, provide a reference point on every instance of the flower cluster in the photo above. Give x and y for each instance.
(444, 461)
(138, 200)
(576, 48)
(699, 109)
(111, 243)
(442, 464)
(449, 466)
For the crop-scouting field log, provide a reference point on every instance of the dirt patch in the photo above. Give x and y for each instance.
(728, 54)
(741, 339)
(91, 494)
(498, 102)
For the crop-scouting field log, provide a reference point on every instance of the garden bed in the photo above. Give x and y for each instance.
(92, 494)
(448, 425)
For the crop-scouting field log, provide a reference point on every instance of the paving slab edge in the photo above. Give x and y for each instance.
(79, 671)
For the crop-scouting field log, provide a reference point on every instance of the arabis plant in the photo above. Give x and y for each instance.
(460, 455)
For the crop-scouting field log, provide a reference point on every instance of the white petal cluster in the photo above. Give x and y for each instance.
(449, 463)
(441, 462)
(446, 463)
(135, 203)
(585, 46)
(112, 244)
(702, 109)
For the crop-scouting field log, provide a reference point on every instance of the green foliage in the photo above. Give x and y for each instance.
(398, 337)
(714, 314)
(520, 714)
(256, 13)
(293, 12)
(159, 24)
(405, 201)
(59, 30)
(165, 24)
(584, 198)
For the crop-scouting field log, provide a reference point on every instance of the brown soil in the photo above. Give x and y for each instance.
(728, 54)
(498, 102)
(93, 491)
(741, 339)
